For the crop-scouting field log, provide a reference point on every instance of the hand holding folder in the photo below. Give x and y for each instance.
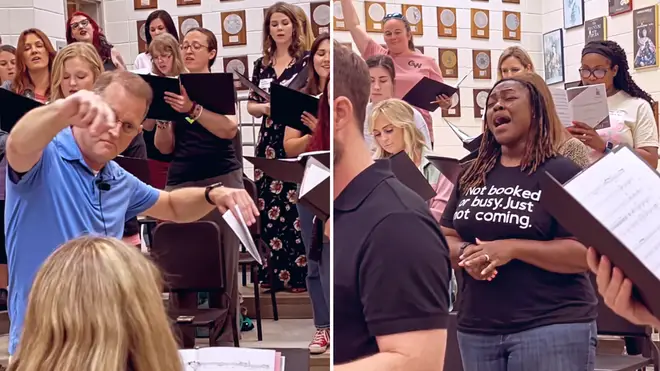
(408, 173)
(614, 206)
(13, 108)
(424, 93)
(159, 109)
(287, 106)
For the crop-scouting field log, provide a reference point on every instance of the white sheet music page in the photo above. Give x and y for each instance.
(621, 192)
(236, 359)
(239, 226)
(315, 173)
(189, 359)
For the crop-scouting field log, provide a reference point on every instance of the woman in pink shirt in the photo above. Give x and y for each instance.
(411, 65)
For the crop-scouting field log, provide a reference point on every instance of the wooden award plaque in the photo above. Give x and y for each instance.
(145, 4)
(233, 28)
(455, 109)
(237, 64)
(446, 22)
(481, 65)
(188, 22)
(374, 13)
(480, 98)
(338, 17)
(511, 22)
(188, 2)
(511, 1)
(413, 14)
(142, 36)
(448, 62)
(479, 24)
(320, 17)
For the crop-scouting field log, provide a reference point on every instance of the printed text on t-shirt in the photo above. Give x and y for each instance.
(504, 205)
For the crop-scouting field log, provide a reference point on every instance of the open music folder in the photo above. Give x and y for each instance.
(159, 109)
(311, 170)
(407, 172)
(614, 206)
(13, 108)
(586, 104)
(424, 94)
(256, 89)
(287, 106)
(230, 358)
(242, 231)
(449, 167)
(471, 143)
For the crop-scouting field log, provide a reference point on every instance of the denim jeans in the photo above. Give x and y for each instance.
(565, 347)
(318, 277)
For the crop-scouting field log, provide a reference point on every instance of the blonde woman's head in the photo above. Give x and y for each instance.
(392, 124)
(96, 305)
(76, 67)
(306, 26)
(514, 60)
(166, 59)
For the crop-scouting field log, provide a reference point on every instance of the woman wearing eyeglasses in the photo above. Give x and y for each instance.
(411, 65)
(158, 22)
(203, 154)
(81, 27)
(632, 121)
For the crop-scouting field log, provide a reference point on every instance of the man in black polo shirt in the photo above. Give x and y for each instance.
(391, 262)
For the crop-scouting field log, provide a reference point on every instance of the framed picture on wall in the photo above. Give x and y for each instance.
(455, 109)
(188, 22)
(645, 37)
(374, 13)
(573, 13)
(413, 14)
(620, 6)
(145, 4)
(237, 64)
(320, 17)
(188, 2)
(446, 22)
(553, 56)
(338, 17)
(142, 36)
(595, 29)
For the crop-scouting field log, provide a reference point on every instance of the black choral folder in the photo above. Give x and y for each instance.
(159, 109)
(214, 91)
(13, 107)
(408, 174)
(137, 166)
(629, 214)
(469, 143)
(287, 106)
(449, 167)
(256, 89)
(425, 92)
(297, 170)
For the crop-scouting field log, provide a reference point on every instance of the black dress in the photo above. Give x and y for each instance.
(280, 226)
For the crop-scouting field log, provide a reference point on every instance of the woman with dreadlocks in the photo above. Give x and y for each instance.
(522, 274)
(632, 121)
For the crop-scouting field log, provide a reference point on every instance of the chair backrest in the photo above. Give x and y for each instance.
(453, 361)
(190, 255)
(609, 323)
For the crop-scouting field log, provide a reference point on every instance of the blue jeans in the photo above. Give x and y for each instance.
(318, 275)
(565, 347)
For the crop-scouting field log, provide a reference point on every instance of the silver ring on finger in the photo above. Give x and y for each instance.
(487, 258)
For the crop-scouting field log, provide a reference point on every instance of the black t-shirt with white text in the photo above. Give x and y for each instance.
(522, 296)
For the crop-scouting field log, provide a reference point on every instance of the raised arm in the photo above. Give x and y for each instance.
(164, 138)
(38, 127)
(358, 33)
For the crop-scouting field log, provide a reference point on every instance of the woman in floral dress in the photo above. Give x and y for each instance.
(284, 58)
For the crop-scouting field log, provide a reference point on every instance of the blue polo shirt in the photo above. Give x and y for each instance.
(59, 200)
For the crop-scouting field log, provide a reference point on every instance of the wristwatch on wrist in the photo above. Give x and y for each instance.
(208, 190)
(608, 147)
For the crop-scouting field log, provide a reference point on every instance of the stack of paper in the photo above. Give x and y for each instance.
(239, 226)
(586, 104)
(231, 359)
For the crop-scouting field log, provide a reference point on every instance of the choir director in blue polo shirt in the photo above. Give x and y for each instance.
(62, 182)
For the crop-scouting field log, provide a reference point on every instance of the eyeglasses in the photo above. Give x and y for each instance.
(84, 23)
(393, 16)
(163, 57)
(598, 73)
(195, 46)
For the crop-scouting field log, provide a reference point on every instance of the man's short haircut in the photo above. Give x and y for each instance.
(351, 80)
(133, 84)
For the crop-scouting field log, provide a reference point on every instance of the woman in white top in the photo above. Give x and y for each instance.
(381, 69)
(632, 121)
(158, 22)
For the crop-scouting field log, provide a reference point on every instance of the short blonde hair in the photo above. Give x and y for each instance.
(85, 51)
(167, 44)
(400, 115)
(96, 305)
(517, 52)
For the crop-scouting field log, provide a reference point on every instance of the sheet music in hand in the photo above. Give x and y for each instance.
(586, 104)
(315, 188)
(239, 226)
(230, 358)
(614, 206)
